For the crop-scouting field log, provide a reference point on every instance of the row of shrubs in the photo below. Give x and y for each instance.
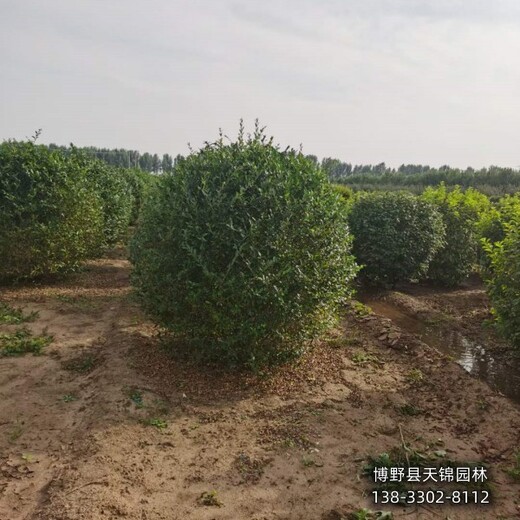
(245, 252)
(399, 237)
(442, 235)
(58, 208)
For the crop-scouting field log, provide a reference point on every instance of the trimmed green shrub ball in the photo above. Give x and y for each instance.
(243, 252)
(396, 235)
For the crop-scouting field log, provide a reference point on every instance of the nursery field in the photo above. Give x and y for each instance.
(105, 424)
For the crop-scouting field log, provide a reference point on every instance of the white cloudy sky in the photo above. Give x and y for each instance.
(414, 81)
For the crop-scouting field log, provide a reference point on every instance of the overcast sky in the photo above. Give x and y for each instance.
(401, 81)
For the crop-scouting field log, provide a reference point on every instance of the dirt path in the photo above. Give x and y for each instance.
(106, 425)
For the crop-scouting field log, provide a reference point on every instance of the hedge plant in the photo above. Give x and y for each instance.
(51, 217)
(243, 252)
(492, 225)
(503, 281)
(396, 235)
(140, 182)
(116, 193)
(461, 212)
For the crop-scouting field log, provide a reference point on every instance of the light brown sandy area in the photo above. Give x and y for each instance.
(144, 437)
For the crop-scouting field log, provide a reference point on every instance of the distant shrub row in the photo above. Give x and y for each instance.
(400, 237)
(244, 251)
(442, 235)
(58, 209)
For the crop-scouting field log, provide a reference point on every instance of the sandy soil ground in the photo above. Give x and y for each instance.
(105, 424)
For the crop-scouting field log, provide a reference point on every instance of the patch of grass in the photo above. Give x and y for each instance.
(81, 303)
(22, 342)
(157, 423)
(135, 395)
(251, 470)
(409, 409)
(360, 309)
(288, 444)
(82, 364)
(68, 398)
(345, 341)
(15, 315)
(362, 358)
(210, 498)
(308, 462)
(514, 472)
(415, 376)
(483, 405)
(15, 433)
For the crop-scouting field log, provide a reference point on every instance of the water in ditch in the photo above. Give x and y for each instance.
(499, 370)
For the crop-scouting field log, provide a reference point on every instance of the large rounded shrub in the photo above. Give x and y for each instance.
(461, 213)
(503, 280)
(396, 235)
(50, 215)
(244, 252)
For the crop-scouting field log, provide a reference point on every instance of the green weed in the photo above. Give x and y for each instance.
(210, 498)
(22, 342)
(410, 410)
(415, 375)
(82, 364)
(80, 303)
(136, 396)
(362, 358)
(483, 405)
(360, 309)
(514, 472)
(15, 433)
(13, 315)
(367, 514)
(157, 423)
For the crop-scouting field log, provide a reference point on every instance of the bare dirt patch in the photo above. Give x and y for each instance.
(106, 424)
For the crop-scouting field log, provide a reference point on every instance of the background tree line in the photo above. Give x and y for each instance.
(494, 180)
(122, 158)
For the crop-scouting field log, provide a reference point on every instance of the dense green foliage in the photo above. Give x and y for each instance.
(416, 177)
(396, 235)
(140, 183)
(503, 280)
(114, 189)
(51, 217)
(461, 212)
(346, 193)
(493, 223)
(58, 209)
(122, 158)
(243, 252)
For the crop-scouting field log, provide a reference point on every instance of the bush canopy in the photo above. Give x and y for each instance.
(244, 252)
(503, 281)
(51, 217)
(396, 235)
(461, 212)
